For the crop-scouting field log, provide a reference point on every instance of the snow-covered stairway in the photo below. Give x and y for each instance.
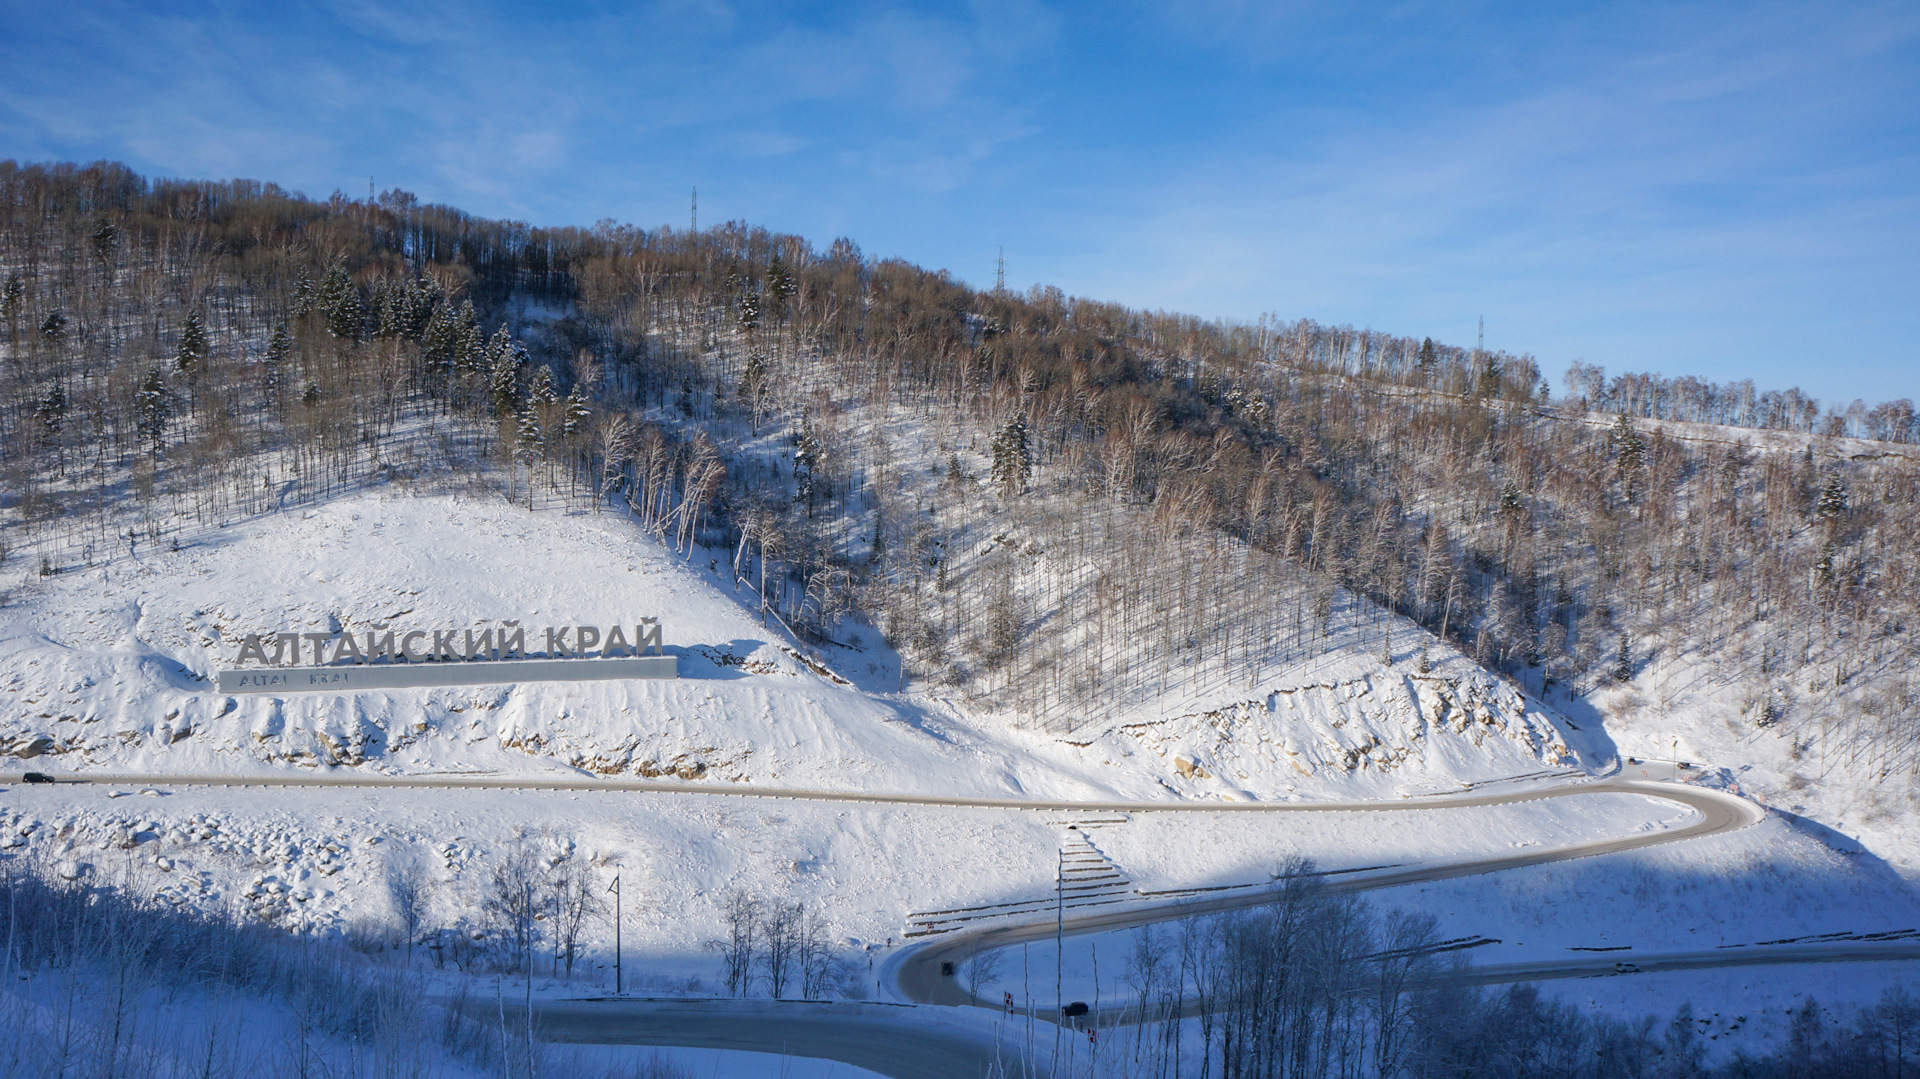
(1088, 878)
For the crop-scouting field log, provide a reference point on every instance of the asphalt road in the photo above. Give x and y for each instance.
(1748, 956)
(915, 973)
(908, 1043)
(894, 1040)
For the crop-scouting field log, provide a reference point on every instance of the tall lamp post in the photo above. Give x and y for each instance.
(618, 986)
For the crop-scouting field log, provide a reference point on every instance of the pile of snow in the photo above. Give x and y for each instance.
(1353, 723)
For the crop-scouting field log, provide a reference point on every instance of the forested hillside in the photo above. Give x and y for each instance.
(1052, 503)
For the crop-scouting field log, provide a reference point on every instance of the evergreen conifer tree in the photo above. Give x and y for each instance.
(779, 288)
(505, 358)
(274, 362)
(540, 388)
(338, 300)
(191, 352)
(303, 294)
(749, 312)
(1833, 499)
(470, 348)
(806, 465)
(578, 412)
(389, 309)
(51, 413)
(152, 409)
(1490, 377)
(13, 301)
(1012, 457)
(105, 239)
(1629, 454)
(527, 434)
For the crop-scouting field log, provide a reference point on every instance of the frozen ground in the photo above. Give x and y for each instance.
(722, 1063)
(1689, 709)
(106, 669)
(317, 860)
(1764, 883)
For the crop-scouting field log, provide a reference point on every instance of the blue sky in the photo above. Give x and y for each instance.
(1728, 190)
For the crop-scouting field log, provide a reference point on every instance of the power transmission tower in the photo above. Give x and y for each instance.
(1000, 272)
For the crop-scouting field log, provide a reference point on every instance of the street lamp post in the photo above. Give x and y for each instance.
(618, 986)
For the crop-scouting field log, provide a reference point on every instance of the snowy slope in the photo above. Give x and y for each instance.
(109, 667)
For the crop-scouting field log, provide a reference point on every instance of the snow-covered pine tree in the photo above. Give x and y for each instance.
(1513, 514)
(51, 413)
(1491, 375)
(529, 443)
(191, 351)
(439, 341)
(527, 435)
(273, 362)
(755, 389)
(1832, 504)
(806, 465)
(779, 288)
(105, 239)
(1629, 454)
(470, 346)
(152, 410)
(1012, 456)
(389, 309)
(578, 411)
(13, 301)
(505, 358)
(338, 300)
(748, 311)
(303, 294)
(540, 389)
(421, 301)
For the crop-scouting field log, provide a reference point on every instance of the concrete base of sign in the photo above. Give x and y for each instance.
(348, 679)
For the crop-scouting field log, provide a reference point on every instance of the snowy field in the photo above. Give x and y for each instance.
(317, 860)
(1762, 884)
(1685, 709)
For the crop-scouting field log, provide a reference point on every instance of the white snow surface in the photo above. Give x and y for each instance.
(109, 667)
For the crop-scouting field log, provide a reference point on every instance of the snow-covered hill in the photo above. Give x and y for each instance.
(111, 667)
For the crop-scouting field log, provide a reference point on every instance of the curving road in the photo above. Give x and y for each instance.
(909, 1043)
(915, 973)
